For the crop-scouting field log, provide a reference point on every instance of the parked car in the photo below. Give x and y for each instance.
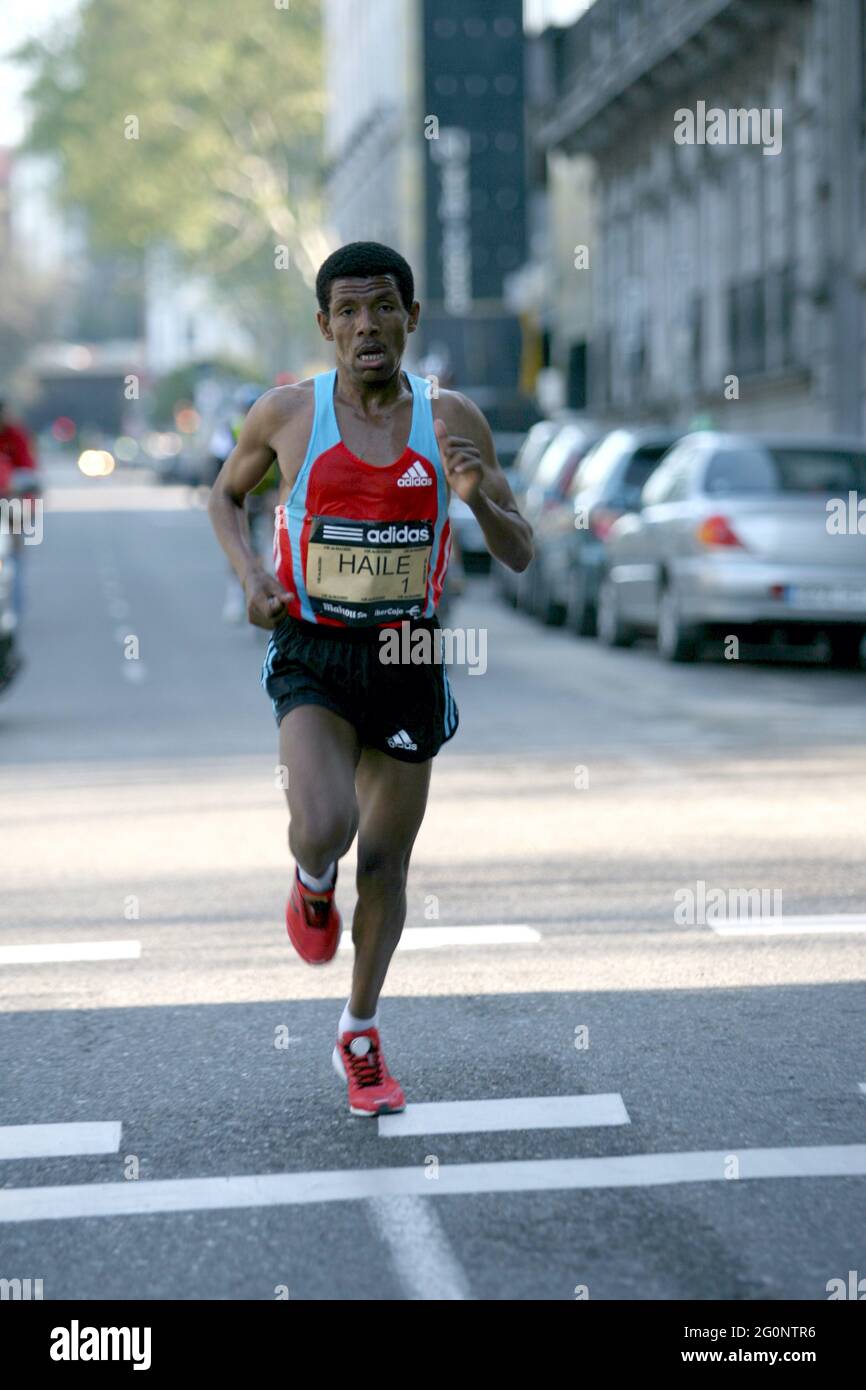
(736, 533)
(570, 535)
(465, 528)
(469, 536)
(526, 461)
(508, 444)
(547, 487)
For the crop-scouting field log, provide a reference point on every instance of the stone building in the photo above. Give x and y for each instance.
(728, 139)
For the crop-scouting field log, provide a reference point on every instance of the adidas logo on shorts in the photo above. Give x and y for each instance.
(415, 476)
(402, 740)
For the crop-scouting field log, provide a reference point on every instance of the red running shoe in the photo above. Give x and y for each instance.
(358, 1060)
(313, 923)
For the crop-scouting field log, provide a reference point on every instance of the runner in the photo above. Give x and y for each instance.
(223, 440)
(361, 545)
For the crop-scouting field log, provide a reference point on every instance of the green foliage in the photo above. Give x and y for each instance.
(180, 385)
(223, 101)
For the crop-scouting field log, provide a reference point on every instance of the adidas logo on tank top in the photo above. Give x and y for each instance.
(415, 477)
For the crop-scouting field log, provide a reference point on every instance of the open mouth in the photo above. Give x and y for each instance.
(371, 356)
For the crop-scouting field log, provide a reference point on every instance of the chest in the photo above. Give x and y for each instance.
(378, 441)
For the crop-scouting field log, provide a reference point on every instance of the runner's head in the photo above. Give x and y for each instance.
(367, 308)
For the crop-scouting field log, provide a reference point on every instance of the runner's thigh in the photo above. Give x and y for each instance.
(320, 751)
(392, 799)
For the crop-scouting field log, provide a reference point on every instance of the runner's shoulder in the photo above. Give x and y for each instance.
(460, 413)
(285, 406)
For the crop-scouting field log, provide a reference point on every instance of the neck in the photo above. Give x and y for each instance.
(369, 397)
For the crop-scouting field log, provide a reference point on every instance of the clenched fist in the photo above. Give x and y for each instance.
(266, 599)
(461, 460)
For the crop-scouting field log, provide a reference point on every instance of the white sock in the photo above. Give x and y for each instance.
(350, 1024)
(318, 885)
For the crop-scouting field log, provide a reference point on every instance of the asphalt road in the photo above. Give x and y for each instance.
(586, 795)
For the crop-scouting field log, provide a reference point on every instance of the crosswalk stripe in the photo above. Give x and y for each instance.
(420, 1251)
(59, 1141)
(427, 938)
(457, 1179)
(826, 925)
(487, 1116)
(69, 950)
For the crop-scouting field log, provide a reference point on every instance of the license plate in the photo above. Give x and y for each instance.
(837, 598)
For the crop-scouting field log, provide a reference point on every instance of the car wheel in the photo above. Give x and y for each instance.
(676, 641)
(544, 606)
(527, 583)
(506, 585)
(580, 614)
(845, 645)
(612, 631)
(508, 590)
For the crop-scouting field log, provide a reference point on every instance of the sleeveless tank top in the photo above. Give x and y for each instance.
(358, 545)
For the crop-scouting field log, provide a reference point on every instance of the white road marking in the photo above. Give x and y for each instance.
(70, 950)
(427, 938)
(792, 926)
(124, 498)
(420, 1251)
(535, 1175)
(59, 1141)
(528, 1112)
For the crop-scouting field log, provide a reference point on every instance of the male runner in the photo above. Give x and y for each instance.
(361, 544)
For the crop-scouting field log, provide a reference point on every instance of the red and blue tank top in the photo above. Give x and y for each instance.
(358, 545)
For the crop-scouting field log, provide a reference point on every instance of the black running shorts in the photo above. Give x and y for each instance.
(404, 708)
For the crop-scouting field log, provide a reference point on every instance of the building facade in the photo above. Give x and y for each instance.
(374, 125)
(729, 267)
(426, 152)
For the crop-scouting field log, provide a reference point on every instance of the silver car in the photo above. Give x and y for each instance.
(745, 535)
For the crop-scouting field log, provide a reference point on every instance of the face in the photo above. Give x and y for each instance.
(368, 323)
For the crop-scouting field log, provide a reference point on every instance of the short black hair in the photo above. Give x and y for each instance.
(362, 259)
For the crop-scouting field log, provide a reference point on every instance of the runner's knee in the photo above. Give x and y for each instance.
(382, 872)
(318, 837)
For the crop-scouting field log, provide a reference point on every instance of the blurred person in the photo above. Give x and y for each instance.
(18, 479)
(16, 448)
(223, 441)
(362, 541)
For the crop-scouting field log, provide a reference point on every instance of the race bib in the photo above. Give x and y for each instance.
(368, 572)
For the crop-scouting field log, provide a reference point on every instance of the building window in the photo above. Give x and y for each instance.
(747, 325)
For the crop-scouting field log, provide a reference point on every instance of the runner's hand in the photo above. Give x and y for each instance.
(266, 599)
(461, 460)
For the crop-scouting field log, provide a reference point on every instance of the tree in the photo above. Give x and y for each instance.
(25, 313)
(195, 123)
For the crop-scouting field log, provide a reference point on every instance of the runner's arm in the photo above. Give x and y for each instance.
(474, 474)
(245, 467)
